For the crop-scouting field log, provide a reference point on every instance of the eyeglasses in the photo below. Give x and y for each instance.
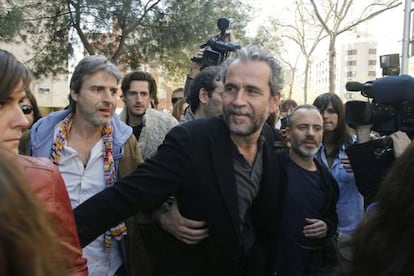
(174, 100)
(27, 109)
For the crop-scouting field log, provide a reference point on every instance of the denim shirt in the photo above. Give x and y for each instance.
(350, 205)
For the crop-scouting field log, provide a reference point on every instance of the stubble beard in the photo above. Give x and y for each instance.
(301, 151)
(254, 125)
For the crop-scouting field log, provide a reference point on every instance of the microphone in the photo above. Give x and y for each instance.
(365, 88)
(354, 86)
(223, 24)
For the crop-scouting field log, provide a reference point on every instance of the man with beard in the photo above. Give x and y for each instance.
(222, 171)
(206, 95)
(91, 147)
(309, 219)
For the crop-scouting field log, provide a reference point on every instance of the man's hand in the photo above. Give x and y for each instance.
(363, 133)
(315, 228)
(186, 230)
(346, 164)
(196, 64)
(400, 141)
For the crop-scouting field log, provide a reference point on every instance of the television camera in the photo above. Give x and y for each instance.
(390, 105)
(217, 48)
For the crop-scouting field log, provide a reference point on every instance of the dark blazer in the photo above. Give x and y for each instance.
(195, 163)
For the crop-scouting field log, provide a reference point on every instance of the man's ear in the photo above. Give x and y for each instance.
(287, 133)
(274, 103)
(74, 95)
(203, 96)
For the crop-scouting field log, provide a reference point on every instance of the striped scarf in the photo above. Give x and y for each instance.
(120, 230)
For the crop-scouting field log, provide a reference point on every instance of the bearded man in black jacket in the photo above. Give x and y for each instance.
(221, 169)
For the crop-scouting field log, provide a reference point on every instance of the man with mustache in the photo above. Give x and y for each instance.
(309, 219)
(222, 171)
(92, 147)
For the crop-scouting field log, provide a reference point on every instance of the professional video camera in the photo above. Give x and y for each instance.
(217, 49)
(391, 107)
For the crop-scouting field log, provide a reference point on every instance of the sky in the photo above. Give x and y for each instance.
(386, 28)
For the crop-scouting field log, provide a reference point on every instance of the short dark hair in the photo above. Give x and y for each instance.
(140, 76)
(287, 104)
(299, 107)
(206, 79)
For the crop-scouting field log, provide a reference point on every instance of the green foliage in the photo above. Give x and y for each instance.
(11, 21)
(129, 32)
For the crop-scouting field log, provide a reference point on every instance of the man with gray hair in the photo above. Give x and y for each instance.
(222, 171)
(91, 147)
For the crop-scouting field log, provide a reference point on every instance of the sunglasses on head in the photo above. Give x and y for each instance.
(27, 109)
(174, 100)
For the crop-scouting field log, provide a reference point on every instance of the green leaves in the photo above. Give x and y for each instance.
(129, 32)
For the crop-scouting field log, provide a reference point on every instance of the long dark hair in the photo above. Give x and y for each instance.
(340, 134)
(383, 243)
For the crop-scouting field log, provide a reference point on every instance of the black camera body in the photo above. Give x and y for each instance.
(217, 48)
(391, 107)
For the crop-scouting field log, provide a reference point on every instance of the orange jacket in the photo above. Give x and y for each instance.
(47, 183)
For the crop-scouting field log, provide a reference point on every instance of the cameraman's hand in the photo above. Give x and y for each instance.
(196, 64)
(400, 142)
(363, 133)
(186, 230)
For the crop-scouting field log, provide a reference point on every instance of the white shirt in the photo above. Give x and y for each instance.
(83, 183)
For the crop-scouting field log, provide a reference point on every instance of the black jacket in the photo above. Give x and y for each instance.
(195, 163)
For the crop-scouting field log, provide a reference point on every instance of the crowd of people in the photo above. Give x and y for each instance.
(201, 191)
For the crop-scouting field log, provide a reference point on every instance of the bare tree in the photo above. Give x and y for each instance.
(293, 68)
(336, 18)
(306, 33)
(268, 35)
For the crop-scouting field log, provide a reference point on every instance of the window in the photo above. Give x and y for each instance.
(351, 74)
(372, 73)
(349, 96)
(372, 51)
(352, 52)
(351, 62)
(372, 62)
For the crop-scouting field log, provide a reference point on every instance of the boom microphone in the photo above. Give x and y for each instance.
(354, 86)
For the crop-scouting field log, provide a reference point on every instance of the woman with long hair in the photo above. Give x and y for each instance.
(43, 177)
(350, 205)
(28, 241)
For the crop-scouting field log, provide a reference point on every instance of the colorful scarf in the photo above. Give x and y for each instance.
(120, 230)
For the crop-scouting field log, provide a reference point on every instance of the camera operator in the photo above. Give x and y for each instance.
(212, 53)
(389, 112)
(370, 166)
